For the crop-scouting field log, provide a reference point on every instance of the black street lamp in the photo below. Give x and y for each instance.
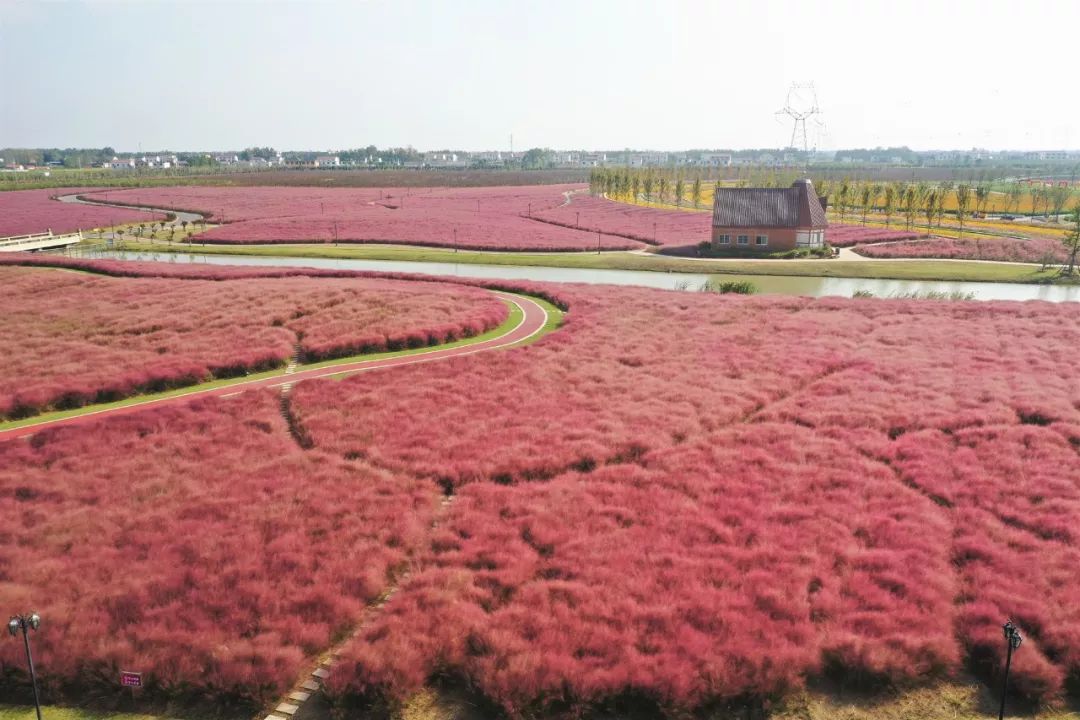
(26, 623)
(1012, 641)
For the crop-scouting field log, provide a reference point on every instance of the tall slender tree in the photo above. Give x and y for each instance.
(1035, 191)
(843, 196)
(1013, 194)
(930, 203)
(1059, 198)
(982, 197)
(889, 206)
(1072, 241)
(963, 200)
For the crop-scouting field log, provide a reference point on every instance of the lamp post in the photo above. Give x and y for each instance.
(1012, 641)
(26, 623)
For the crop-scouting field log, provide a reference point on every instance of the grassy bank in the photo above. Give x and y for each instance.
(941, 270)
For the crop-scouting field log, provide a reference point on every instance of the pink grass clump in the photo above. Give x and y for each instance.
(1032, 250)
(847, 235)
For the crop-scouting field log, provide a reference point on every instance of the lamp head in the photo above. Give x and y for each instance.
(13, 626)
(35, 621)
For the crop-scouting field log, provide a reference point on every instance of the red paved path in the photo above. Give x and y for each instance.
(535, 317)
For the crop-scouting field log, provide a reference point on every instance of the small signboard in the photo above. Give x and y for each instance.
(130, 679)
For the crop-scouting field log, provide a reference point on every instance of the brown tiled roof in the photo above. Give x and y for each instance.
(796, 206)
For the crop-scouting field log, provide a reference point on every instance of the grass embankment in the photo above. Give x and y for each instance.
(936, 270)
(54, 712)
(949, 701)
(513, 318)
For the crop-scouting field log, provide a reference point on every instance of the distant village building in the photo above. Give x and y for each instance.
(716, 159)
(768, 219)
(327, 161)
(118, 164)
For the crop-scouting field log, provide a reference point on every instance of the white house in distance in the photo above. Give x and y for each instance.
(118, 164)
(327, 161)
(716, 159)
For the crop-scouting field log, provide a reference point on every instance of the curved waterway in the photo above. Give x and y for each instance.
(784, 285)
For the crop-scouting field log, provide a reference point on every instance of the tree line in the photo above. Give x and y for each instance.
(906, 201)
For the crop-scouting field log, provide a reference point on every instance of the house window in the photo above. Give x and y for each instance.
(724, 240)
(744, 239)
(762, 240)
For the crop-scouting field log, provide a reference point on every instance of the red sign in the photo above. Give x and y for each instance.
(130, 679)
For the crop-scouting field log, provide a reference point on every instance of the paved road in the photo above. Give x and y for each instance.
(532, 323)
(180, 215)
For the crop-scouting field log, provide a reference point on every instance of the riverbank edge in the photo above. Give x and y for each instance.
(933, 270)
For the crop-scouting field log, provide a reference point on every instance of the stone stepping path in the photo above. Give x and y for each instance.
(312, 684)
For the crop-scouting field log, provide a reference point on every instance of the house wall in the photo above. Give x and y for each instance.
(779, 238)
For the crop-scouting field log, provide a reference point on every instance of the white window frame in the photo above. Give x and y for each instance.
(744, 239)
(724, 240)
(761, 241)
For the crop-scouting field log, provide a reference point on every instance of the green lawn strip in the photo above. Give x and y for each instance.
(513, 318)
(914, 269)
(55, 712)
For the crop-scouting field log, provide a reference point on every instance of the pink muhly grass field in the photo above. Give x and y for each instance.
(493, 218)
(682, 498)
(844, 235)
(649, 225)
(613, 492)
(199, 545)
(72, 338)
(1032, 250)
(25, 212)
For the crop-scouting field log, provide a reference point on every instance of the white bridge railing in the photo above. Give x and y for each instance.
(38, 241)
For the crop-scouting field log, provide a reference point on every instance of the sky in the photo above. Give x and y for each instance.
(566, 74)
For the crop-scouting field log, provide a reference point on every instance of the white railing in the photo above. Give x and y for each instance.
(38, 241)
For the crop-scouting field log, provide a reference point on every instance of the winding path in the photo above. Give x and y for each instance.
(181, 215)
(533, 320)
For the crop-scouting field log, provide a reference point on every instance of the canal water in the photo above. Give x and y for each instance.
(784, 285)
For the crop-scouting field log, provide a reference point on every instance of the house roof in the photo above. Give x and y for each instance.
(796, 206)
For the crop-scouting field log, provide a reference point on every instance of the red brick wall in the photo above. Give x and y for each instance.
(779, 238)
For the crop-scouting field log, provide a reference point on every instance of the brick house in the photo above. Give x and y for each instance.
(768, 219)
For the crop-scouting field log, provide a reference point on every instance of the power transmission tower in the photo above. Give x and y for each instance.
(801, 104)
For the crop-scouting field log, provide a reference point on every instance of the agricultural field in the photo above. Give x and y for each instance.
(25, 212)
(73, 338)
(466, 218)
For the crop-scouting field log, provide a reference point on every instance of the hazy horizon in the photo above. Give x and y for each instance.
(602, 75)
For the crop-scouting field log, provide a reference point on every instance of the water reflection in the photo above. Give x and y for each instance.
(813, 286)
